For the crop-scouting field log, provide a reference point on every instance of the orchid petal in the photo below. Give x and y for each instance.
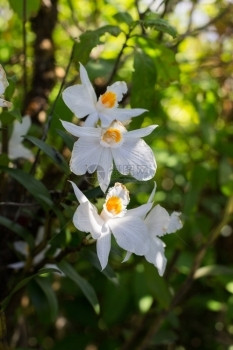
(120, 114)
(155, 255)
(141, 211)
(119, 88)
(21, 247)
(157, 221)
(135, 158)
(141, 132)
(78, 100)
(86, 82)
(17, 266)
(130, 233)
(103, 246)
(175, 222)
(127, 257)
(85, 155)
(86, 219)
(104, 169)
(79, 195)
(80, 131)
(151, 198)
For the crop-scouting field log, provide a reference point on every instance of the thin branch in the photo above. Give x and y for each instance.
(17, 204)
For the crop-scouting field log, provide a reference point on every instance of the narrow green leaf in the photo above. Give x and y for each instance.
(159, 24)
(67, 138)
(20, 285)
(157, 285)
(32, 7)
(85, 286)
(50, 296)
(123, 17)
(51, 152)
(18, 229)
(33, 186)
(213, 270)
(113, 30)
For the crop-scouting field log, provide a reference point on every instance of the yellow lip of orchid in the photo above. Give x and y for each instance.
(109, 99)
(113, 136)
(116, 202)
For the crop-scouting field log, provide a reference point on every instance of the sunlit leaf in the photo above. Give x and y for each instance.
(160, 24)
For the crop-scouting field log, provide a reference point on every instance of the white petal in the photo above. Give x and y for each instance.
(16, 149)
(17, 265)
(135, 158)
(40, 235)
(4, 103)
(91, 119)
(141, 132)
(130, 233)
(103, 246)
(39, 257)
(86, 82)
(3, 80)
(85, 155)
(151, 198)
(127, 257)
(79, 195)
(86, 219)
(140, 211)
(104, 169)
(119, 88)
(80, 131)
(21, 247)
(108, 115)
(78, 100)
(155, 255)
(19, 151)
(175, 223)
(157, 221)
(20, 129)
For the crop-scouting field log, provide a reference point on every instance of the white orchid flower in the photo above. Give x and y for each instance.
(127, 226)
(3, 85)
(15, 146)
(82, 101)
(158, 223)
(97, 148)
(23, 248)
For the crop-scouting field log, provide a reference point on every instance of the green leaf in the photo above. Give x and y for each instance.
(85, 286)
(20, 285)
(50, 296)
(33, 186)
(51, 152)
(123, 17)
(67, 138)
(157, 285)
(113, 30)
(213, 270)
(143, 84)
(159, 24)
(32, 7)
(89, 40)
(18, 229)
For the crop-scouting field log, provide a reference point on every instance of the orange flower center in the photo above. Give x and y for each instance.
(108, 99)
(114, 205)
(112, 135)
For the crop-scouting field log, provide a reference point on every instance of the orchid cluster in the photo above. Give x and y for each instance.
(103, 141)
